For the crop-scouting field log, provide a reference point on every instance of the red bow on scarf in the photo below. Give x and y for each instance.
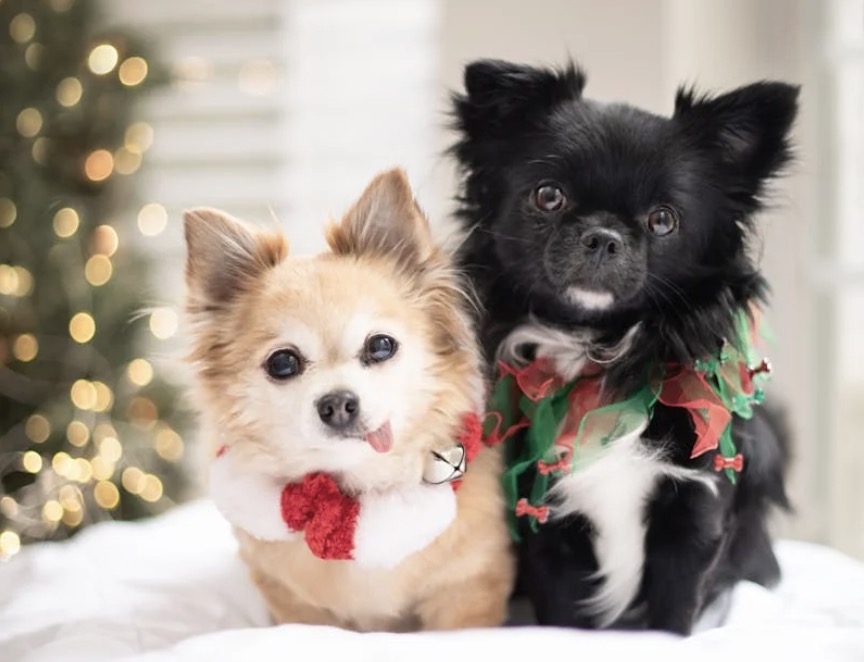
(562, 465)
(736, 463)
(317, 506)
(525, 508)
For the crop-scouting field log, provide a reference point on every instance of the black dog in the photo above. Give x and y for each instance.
(600, 230)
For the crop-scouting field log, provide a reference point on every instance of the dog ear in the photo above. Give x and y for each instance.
(224, 255)
(384, 221)
(497, 92)
(748, 126)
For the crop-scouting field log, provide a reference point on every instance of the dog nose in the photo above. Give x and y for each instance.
(602, 242)
(339, 409)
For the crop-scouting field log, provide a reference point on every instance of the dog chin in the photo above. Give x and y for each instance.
(589, 299)
(331, 455)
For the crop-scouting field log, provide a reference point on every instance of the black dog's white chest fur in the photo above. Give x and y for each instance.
(610, 485)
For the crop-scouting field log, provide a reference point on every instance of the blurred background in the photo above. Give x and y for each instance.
(116, 116)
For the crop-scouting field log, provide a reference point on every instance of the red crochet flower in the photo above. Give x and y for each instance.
(471, 436)
(328, 516)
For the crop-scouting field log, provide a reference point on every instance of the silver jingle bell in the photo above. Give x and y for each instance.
(445, 466)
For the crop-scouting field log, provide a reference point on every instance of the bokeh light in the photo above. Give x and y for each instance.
(103, 430)
(163, 323)
(83, 394)
(69, 91)
(104, 397)
(8, 212)
(29, 122)
(52, 511)
(66, 222)
(133, 71)
(98, 270)
(140, 372)
(143, 412)
(22, 28)
(133, 480)
(102, 469)
(169, 445)
(40, 150)
(24, 282)
(258, 76)
(77, 433)
(25, 347)
(10, 543)
(33, 55)
(82, 327)
(83, 469)
(110, 449)
(192, 70)
(8, 506)
(126, 161)
(73, 517)
(102, 59)
(32, 462)
(106, 495)
(152, 489)
(152, 219)
(37, 428)
(99, 165)
(138, 137)
(8, 279)
(63, 464)
(104, 241)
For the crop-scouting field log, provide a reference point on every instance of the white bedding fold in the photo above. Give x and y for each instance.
(172, 589)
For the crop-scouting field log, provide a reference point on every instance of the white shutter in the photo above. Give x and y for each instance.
(361, 95)
(842, 276)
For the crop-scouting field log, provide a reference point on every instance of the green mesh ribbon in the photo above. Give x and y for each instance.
(562, 420)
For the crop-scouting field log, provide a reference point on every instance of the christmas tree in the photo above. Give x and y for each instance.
(87, 430)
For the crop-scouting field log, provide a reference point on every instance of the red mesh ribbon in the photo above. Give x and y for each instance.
(584, 398)
(689, 390)
(535, 380)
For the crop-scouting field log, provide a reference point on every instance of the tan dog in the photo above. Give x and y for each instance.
(357, 363)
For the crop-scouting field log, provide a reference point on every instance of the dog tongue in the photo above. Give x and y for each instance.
(381, 439)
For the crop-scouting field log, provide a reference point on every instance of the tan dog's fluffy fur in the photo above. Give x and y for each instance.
(244, 295)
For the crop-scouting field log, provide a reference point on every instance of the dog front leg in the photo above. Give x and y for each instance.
(480, 602)
(558, 573)
(685, 540)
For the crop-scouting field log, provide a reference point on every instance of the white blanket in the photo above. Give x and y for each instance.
(172, 589)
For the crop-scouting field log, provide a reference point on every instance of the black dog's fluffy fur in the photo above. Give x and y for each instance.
(521, 128)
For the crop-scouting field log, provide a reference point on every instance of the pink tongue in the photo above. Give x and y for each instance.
(381, 439)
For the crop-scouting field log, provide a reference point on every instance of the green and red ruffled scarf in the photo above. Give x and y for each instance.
(561, 418)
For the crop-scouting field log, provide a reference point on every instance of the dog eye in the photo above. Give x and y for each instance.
(379, 348)
(662, 221)
(283, 364)
(548, 198)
